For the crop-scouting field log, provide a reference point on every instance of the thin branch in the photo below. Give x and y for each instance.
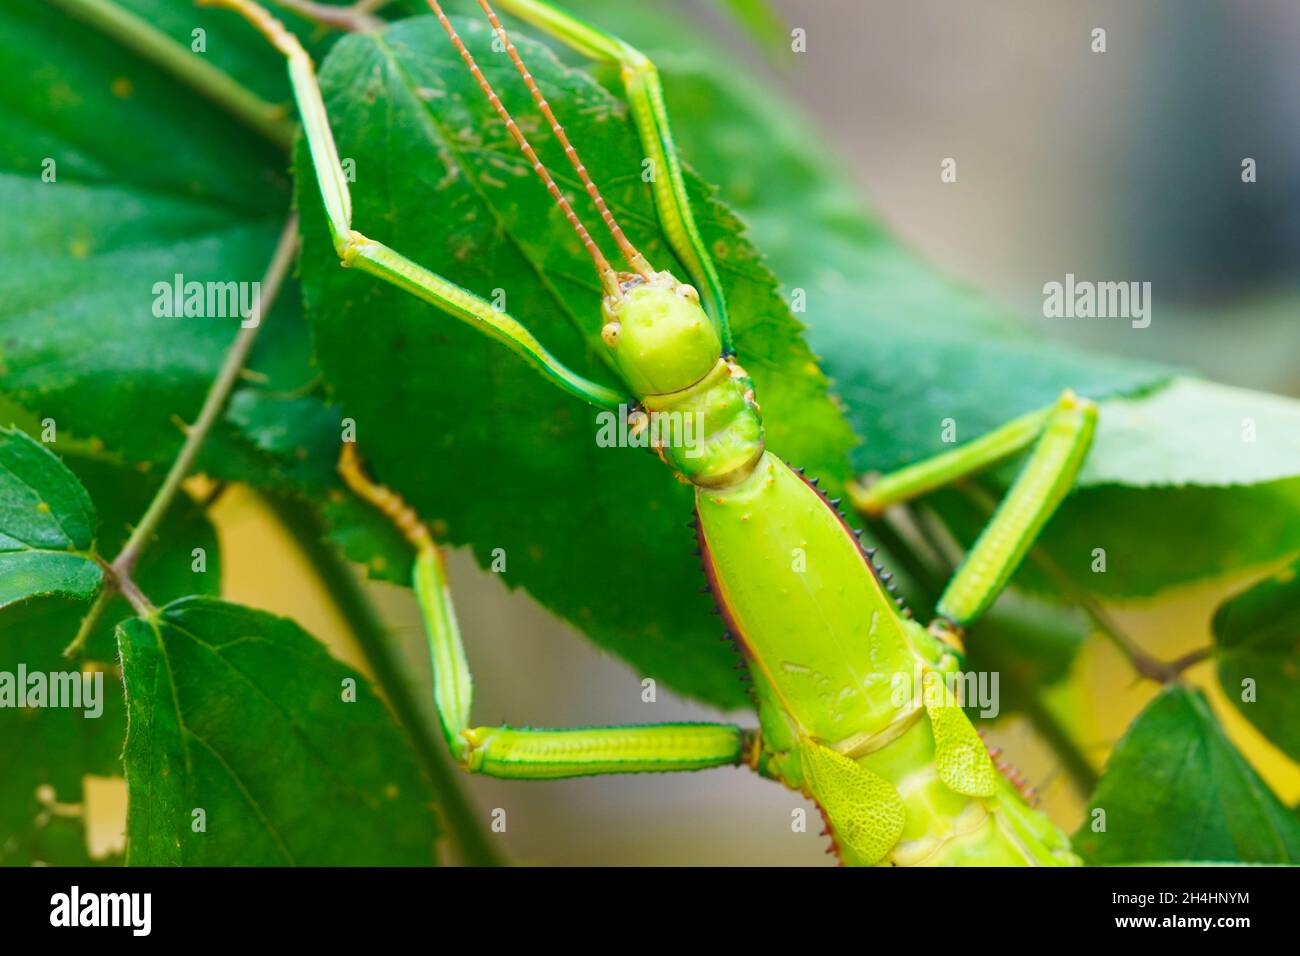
(266, 118)
(117, 575)
(904, 557)
(88, 623)
(1191, 659)
(1146, 665)
(218, 393)
(355, 18)
(1075, 762)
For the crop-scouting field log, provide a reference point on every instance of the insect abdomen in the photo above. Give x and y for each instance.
(900, 781)
(797, 589)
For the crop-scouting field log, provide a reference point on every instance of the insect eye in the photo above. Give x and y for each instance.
(688, 292)
(609, 332)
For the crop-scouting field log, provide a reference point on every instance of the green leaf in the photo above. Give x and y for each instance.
(462, 429)
(245, 716)
(1196, 433)
(46, 752)
(47, 525)
(1257, 639)
(171, 186)
(1175, 788)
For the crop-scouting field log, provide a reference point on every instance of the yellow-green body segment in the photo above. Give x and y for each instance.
(853, 705)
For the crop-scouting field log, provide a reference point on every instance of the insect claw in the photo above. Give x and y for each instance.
(871, 552)
(813, 481)
(835, 502)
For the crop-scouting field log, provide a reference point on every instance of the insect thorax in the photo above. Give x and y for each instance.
(704, 419)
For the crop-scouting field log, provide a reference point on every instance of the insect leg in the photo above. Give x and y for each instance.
(534, 754)
(645, 97)
(873, 498)
(528, 753)
(355, 249)
(1040, 487)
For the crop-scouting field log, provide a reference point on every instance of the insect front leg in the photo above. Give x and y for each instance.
(645, 97)
(359, 251)
(531, 753)
(1060, 435)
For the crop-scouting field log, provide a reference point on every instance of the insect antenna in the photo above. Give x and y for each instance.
(608, 277)
(634, 258)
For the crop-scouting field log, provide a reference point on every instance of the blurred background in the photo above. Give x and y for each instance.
(1123, 165)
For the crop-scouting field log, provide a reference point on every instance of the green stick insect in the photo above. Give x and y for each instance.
(901, 779)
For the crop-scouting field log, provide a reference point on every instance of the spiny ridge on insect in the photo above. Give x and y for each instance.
(884, 577)
(1013, 775)
(829, 833)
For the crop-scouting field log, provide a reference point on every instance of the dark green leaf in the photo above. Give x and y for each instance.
(172, 185)
(1257, 639)
(45, 753)
(244, 716)
(47, 524)
(1175, 788)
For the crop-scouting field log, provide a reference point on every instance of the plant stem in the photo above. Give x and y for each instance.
(1072, 757)
(1148, 666)
(355, 18)
(907, 560)
(97, 609)
(117, 575)
(1191, 658)
(154, 45)
(349, 596)
(213, 404)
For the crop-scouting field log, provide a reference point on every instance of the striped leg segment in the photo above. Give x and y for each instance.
(1060, 437)
(530, 753)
